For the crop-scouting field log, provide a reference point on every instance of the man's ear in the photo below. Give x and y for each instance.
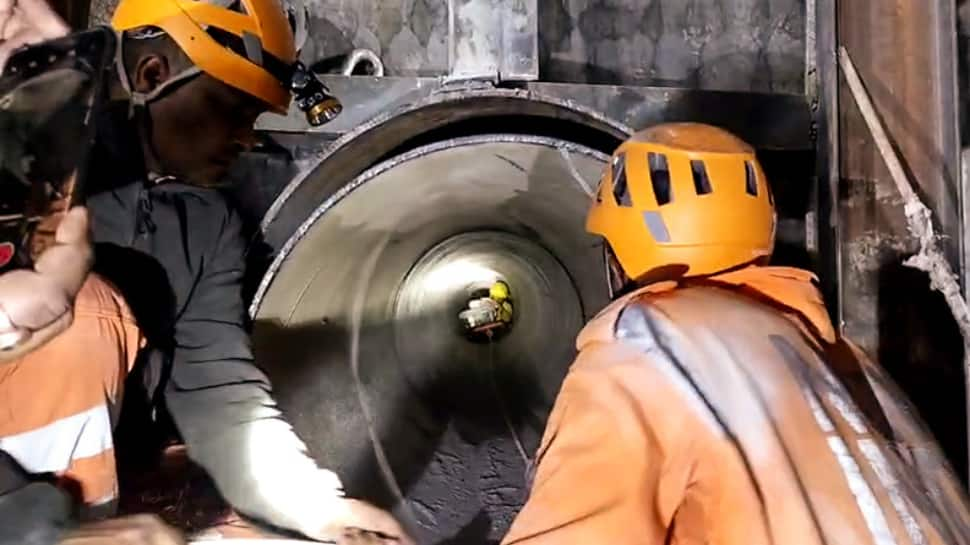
(150, 72)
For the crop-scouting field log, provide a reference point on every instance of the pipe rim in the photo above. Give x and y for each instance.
(594, 119)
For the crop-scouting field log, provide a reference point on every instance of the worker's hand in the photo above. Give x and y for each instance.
(36, 305)
(25, 22)
(134, 530)
(359, 523)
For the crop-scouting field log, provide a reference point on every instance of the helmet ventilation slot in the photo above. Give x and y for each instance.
(702, 184)
(750, 179)
(621, 190)
(659, 177)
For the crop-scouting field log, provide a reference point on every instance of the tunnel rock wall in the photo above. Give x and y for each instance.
(729, 45)
(736, 45)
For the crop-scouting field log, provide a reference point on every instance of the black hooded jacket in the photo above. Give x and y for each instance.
(177, 254)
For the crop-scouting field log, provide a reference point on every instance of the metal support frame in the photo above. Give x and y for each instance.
(822, 90)
(948, 57)
(960, 151)
(906, 55)
(495, 40)
(768, 121)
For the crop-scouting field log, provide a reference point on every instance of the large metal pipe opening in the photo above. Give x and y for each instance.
(457, 415)
(446, 195)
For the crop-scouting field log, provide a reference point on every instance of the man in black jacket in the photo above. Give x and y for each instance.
(193, 78)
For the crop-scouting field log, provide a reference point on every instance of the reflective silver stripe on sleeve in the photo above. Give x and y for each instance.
(880, 465)
(823, 419)
(871, 511)
(866, 501)
(837, 397)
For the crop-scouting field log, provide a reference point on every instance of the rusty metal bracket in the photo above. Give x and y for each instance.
(822, 92)
(919, 219)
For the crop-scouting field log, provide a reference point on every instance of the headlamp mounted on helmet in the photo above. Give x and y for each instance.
(310, 95)
(250, 45)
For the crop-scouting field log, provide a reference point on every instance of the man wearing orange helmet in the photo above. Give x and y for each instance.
(714, 402)
(193, 76)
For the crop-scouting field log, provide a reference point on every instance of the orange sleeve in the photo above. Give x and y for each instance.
(58, 403)
(600, 464)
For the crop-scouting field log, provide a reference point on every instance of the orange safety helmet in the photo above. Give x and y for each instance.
(686, 197)
(251, 49)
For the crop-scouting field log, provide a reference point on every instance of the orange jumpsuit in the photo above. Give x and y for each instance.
(59, 403)
(710, 413)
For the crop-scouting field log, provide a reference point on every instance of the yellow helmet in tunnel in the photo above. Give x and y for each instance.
(685, 198)
(247, 44)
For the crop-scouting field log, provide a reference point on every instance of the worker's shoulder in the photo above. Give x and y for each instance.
(210, 199)
(608, 346)
(100, 298)
(203, 205)
(605, 327)
(618, 376)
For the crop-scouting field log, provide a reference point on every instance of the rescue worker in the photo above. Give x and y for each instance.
(714, 402)
(193, 76)
(36, 306)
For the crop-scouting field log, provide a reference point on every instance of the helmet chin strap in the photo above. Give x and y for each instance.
(612, 282)
(138, 103)
(137, 99)
(617, 283)
(608, 269)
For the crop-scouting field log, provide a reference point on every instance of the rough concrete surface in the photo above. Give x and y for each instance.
(710, 44)
(101, 11)
(732, 45)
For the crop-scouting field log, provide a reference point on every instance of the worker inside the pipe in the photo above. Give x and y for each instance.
(192, 77)
(714, 402)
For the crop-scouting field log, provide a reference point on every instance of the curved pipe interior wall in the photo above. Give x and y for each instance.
(445, 196)
(453, 416)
